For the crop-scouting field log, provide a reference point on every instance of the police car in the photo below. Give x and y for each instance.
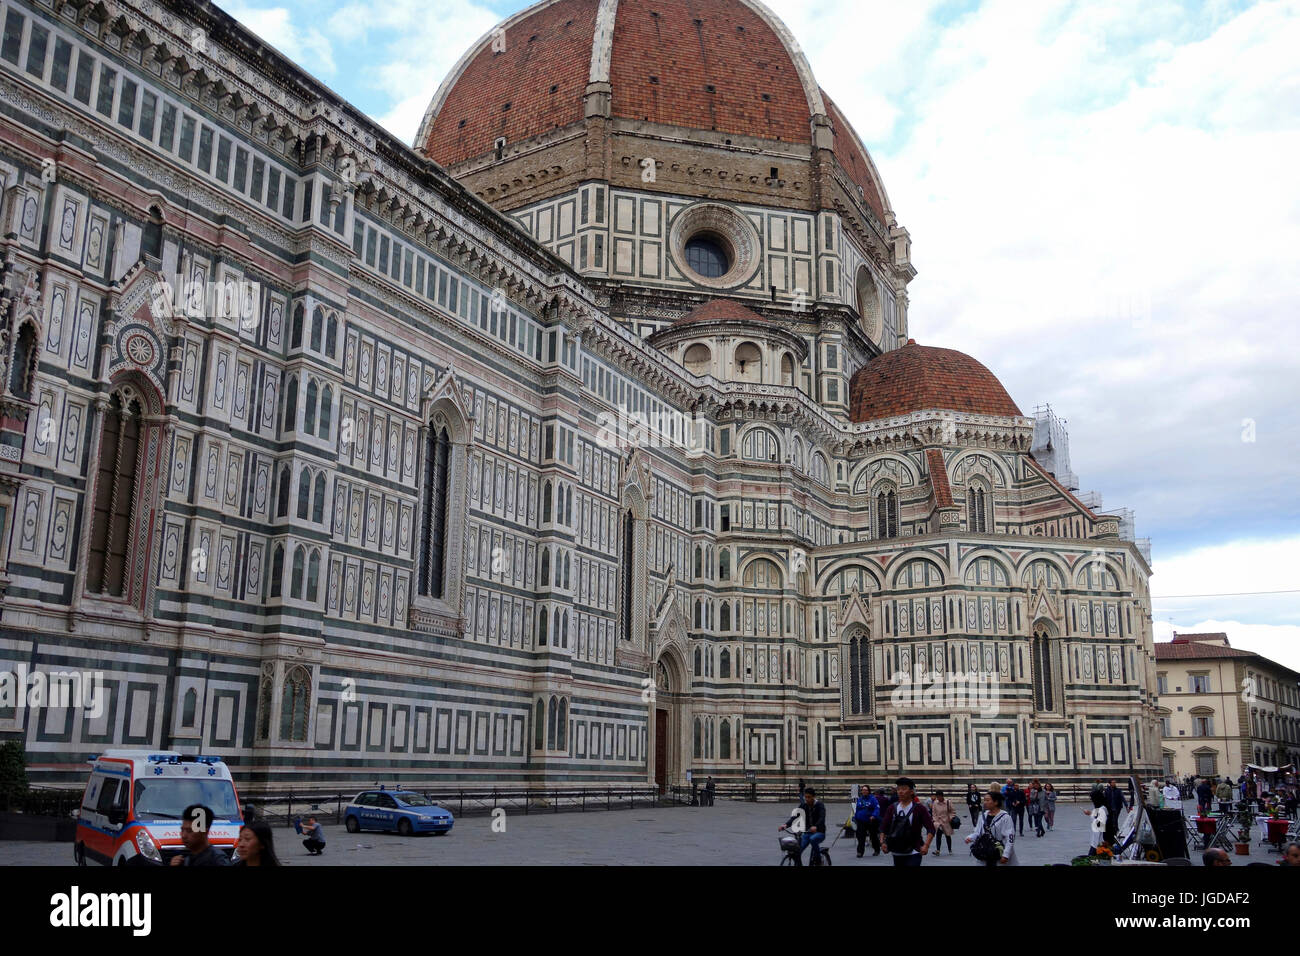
(405, 811)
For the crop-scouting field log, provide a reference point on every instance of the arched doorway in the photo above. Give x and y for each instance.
(668, 721)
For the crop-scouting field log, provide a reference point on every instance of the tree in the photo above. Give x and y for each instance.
(13, 772)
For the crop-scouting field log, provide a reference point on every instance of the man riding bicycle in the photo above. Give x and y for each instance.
(812, 813)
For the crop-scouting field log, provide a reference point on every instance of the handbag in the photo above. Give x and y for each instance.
(955, 822)
(984, 848)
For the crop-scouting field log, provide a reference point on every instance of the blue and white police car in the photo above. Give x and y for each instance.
(405, 811)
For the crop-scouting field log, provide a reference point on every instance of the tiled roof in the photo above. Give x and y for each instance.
(1053, 480)
(939, 478)
(1195, 650)
(917, 377)
(716, 309)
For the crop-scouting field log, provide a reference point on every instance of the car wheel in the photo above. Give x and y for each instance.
(79, 854)
(404, 827)
(352, 824)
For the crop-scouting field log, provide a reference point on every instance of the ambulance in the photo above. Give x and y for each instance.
(131, 810)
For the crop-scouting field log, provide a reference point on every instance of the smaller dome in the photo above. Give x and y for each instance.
(918, 377)
(717, 310)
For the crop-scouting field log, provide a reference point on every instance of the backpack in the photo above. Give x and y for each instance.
(984, 848)
(900, 837)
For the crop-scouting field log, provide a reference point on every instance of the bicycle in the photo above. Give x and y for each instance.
(793, 852)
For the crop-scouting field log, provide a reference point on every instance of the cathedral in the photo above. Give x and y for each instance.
(581, 441)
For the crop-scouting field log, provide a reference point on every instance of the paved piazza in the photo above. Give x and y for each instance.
(731, 833)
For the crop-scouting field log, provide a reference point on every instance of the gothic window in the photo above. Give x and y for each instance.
(724, 739)
(978, 501)
(887, 514)
(313, 576)
(562, 730)
(331, 334)
(1046, 672)
(626, 571)
(759, 444)
(546, 566)
(699, 672)
(304, 493)
(317, 328)
(294, 702)
(542, 621)
(277, 571)
(539, 725)
(699, 562)
(546, 503)
(22, 367)
(724, 660)
(282, 504)
(318, 503)
(291, 405)
(724, 565)
(724, 617)
(296, 338)
(326, 411)
(295, 580)
(859, 651)
(552, 722)
(696, 751)
(115, 494)
(189, 708)
(309, 408)
(437, 467)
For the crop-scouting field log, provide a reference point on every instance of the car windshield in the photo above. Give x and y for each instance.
(165, 798)
(415, 799)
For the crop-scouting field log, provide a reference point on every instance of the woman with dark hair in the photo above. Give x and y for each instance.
(1049, 794)
(974, 803)
(256, 846)
(1099, 815)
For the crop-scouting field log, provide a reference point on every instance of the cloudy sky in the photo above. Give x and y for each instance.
(1105, 209)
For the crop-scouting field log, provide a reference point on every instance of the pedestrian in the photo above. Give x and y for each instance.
(256, 846)
(315, 842)
(1049, 795)
(1115, 804)
(1015, 804)
(1216, 857)
(1174, 798)
(1204, 794)
(196, 822)
(974, 803)
(941, 812)
(813, 834)
(866, 820)
(901, 825)
(1224, 794)
(1097, 831)
(1154, 793)
(1039, 805)
(1291, 855)
(709, 788)
(998, 824)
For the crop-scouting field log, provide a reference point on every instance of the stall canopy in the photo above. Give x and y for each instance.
(1289, 768)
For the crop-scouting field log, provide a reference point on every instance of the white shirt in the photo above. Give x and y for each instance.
(1171, 794)
(1003, 829)
(1098, 825)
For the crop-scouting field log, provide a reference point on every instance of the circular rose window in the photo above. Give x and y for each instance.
(714, 246)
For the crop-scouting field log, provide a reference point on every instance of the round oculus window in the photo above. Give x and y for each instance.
(707, 256)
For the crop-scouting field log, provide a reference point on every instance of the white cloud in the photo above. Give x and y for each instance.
(305, 46)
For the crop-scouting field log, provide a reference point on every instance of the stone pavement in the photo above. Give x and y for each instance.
(728, 834)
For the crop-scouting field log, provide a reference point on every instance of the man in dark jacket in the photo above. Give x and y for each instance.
(813, 832)
(196, 822)
(902, 824)
(1115, 804)
(1016, 800)
(1204, 796)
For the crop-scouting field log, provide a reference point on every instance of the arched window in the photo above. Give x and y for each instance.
(282, 504)
(546, 503)
(1046, 665)
(539, 725)
(331, 334)
(277, 571)
(887, 514)
(115, 494)
(294, 704)
(699, 562)
(309, 408)
(748, 363)
(433, 537)
(552, 722)
(724, 565)
(546, 566)
(313, 576)
(304, 494)
(562, 730)
(626, 571)
(295, 581)
(295, 339)
(291, 405)
(317, 327)
(21, 371)
(699, 670)
(190, 708)
(698, 359)
(568, 506)
(978, 499)
(724, 617)
(697, 738)
(568, 568)
(859, 675)
(724, 739)
(326, 411)
(724, 660)
(759, 444)
(318, 502)
(787, 369)
(543, 621)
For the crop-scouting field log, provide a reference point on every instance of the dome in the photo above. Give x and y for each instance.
(726, 66)
(918, 377)
(719, 310)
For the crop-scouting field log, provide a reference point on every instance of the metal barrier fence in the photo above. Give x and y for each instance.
(329, 807)
(42, 802)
